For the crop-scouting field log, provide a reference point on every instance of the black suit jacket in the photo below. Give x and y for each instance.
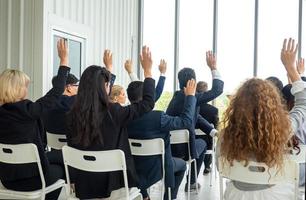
(114, 133)
(210, 113)
(175, 109)
(20, 122)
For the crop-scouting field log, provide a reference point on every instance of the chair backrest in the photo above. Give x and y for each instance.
(56, 141)
(259, 173)
(95, 161)
(147, 147)
(150, 147)
(180, 137)
(22, 154)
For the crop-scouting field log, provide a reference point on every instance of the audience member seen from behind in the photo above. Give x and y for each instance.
(258, 127)
(20, 122)
(211, 114)
(128, 65)
(55, 119)
(300, 133)
(117, 95)
(175, 108)
(276, 82)
(157, 124)
(96, 124)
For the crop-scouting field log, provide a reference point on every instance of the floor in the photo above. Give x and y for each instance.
(206, 192)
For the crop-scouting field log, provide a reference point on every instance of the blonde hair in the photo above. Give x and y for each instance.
(13, 86)
(116, 90)
(257, 125)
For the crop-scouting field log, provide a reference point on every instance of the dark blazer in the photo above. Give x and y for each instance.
(55, 119)
(156, 124)
(20, 122)
(210, 113)
(100, 185)
(175, 108)
(159, 87)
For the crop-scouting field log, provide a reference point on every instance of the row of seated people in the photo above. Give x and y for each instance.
(93, 123)
(256, 120)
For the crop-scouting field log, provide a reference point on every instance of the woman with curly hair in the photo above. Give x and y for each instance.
(257, 127)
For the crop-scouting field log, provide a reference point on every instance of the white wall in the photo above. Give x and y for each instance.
(21, 39)
(107, 24)
(25, 34)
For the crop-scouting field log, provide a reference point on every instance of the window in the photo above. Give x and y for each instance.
(158, 34)
(76, 47)
(271, 33)
(196, 36)
(304, 31)
(235, 48)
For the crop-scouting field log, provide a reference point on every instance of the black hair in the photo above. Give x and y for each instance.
(85, 119)
(134, 91)
(185, 75)
(71, 79)
(276, 82)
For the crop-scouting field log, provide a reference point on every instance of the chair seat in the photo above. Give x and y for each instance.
(12, 194)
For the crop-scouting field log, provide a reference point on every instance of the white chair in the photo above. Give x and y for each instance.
(211, 152)
(23, 154)
(259, 173)
(56, 141)
(150, 147)
(182, 137)
(104, 161)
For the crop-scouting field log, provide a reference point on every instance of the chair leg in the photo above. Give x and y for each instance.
(189, 179)
(196, 175)
(169, 193)
(212, 167)
(221, 187)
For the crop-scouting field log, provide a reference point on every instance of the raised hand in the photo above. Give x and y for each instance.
(108, 60)
(190, 88)
(211, 60)
(146, 61)
(63, 52)
(300, 66)
(288, 56)
(162, 66)
(128, 65)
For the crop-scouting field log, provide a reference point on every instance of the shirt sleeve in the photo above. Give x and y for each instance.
(298, 112)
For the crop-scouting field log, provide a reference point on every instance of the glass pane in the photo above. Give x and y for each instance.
(235, 46)
(158, 34)
(75, 56)
(304, 31)
(273, 28)
(196, 36)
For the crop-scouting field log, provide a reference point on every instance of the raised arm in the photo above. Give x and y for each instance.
(126, 114)
(46, 102)
(161, 81)
(298, 112)
(128, 66)
(184, 120)
(108, 62)
(217, 84)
